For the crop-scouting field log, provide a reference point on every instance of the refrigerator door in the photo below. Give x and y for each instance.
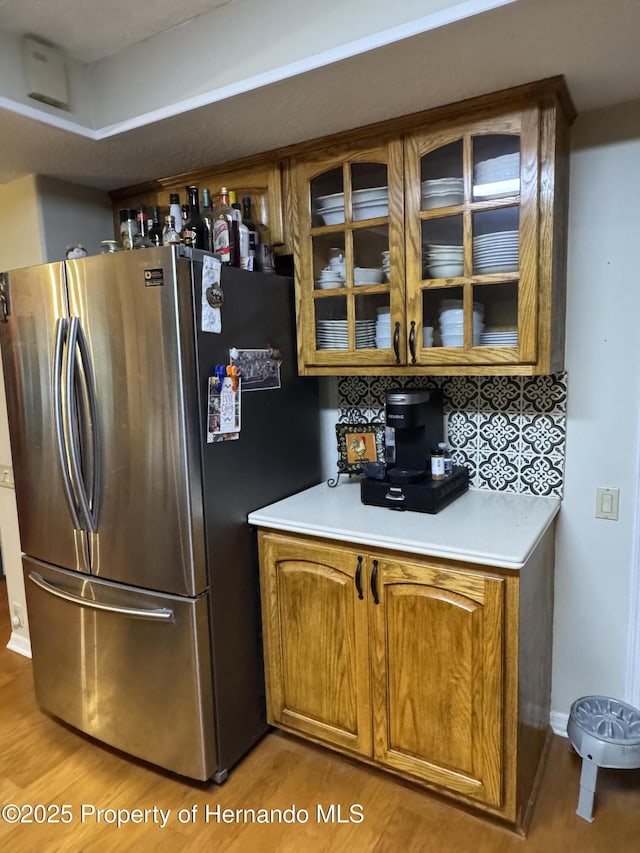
(34, 341)
(140, 445)
(127, 666)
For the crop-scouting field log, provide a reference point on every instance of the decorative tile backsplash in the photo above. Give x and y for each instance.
(510, 431)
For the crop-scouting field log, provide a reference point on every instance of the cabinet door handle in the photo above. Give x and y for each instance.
(359, 578)
(412, 342)
(396, 342)
(374, 583)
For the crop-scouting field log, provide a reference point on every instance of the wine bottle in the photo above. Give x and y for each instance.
(155, 229)
(194, 232)
(207, 216)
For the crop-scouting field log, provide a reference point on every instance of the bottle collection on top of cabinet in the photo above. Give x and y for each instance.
(227, 228)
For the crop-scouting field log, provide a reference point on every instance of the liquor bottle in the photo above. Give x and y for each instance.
(176, 211)
(169, 233)
(128, 228)
(141, 239)
(207, 215)
(155, 229)
(194, 232)
(254, 232)
(184, 213)
(243, 238)
(222, 231)
(235, 230)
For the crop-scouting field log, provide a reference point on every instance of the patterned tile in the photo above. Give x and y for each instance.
(509, 431)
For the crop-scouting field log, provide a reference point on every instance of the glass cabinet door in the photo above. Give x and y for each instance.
(471, 217)
(350, 259)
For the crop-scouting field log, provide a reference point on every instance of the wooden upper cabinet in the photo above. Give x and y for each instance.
(350, 207)
(465, 228)
(437, 657)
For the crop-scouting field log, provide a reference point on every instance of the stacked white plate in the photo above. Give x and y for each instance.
(499, 339)
(443, 261)
(441, 192)
(497, 177)
(497, 252)
(452, 324)
(370, 203)
(334, 334)
(383, 328)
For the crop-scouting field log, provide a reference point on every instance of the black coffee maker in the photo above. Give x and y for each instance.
(414, 426)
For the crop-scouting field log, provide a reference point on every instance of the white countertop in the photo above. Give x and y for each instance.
(489, 528)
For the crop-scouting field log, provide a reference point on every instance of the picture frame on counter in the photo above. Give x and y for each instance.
(357, 444)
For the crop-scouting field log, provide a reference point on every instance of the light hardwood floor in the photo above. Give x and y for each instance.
(44, 762)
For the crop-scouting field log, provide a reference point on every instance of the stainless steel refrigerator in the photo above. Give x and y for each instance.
(140, 569)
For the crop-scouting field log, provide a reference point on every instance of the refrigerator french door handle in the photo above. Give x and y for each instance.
(61, 333)
(162, 614)
(95, 434)
(72, 427)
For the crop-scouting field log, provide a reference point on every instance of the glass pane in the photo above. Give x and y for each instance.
(496, 166)
(369, 190)
(500, 306)
(441, 181)
(327, 198)
(442, 317)
(370, 255)
(366, 319)
(442, 247)
(328, 261)
(331, 323)
(496, 241)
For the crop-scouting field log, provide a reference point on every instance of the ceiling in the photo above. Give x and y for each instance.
(89, 30)
(593, 43)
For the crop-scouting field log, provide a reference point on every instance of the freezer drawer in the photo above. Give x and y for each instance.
(129, 667)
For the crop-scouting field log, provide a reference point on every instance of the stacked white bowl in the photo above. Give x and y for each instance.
(370, 203)
(452, 323)
(383, 328)
(443, 261)
(329, 277)
(331, 208)
(441, 192)
(385, 264)
(367, 275)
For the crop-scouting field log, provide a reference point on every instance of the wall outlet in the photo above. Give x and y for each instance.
(17, 615)
(6, 476)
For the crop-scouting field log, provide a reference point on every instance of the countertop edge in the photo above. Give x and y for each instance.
(259, 519)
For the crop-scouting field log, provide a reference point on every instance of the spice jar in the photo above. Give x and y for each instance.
(437, 464)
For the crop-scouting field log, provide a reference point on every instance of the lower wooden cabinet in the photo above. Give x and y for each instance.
(408, 662)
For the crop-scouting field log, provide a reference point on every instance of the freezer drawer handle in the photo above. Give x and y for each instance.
(162, 614)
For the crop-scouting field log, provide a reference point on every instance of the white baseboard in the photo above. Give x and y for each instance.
(558, 722)
(21, 645)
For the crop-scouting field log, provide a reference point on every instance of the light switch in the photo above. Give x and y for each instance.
(607, 500)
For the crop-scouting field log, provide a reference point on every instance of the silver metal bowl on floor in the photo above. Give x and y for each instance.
(605, 732)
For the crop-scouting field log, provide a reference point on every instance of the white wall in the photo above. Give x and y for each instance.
(72, 214)
(20, 246)
(594, 557)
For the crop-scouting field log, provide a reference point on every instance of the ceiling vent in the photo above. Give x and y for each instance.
(46, 74)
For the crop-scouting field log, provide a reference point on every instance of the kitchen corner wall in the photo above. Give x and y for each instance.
(509, 431)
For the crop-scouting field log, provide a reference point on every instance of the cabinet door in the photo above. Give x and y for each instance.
(350, 258)
(437, 676)
(472, 203)
(316, 641)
